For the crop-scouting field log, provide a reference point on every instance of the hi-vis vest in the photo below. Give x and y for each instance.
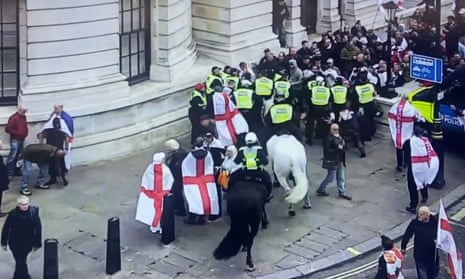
(244, 98)
(277, 77)
(365, 93)
(263, 86)
(282, 88)
(209, 82)
(203, 98)
(224, 76)
(281, 113)
(250, 157)
(320, 95)
(232, 78)
(339, 94)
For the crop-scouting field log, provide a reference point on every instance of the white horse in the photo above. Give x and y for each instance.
(288, 158)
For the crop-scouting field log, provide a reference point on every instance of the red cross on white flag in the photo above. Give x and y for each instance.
(446, 243)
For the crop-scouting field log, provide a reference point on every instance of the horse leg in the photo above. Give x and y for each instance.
(265, 221)
(291, 210)
(253, 232)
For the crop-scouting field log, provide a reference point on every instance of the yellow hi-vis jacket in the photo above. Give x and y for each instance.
(263, 86)
(244, 98)
(281, 113)
(320, 95)
(365, 93)
(339, 94)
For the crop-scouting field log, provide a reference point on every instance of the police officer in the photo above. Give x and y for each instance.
(339, 97)
(253, 160)
(249, 104)
(263, 86)
(198, 104)
(366, 92)
(318, 110)
(213, 80)
(233, 77)
(280, 117)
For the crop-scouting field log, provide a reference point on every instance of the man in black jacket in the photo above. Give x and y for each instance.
(334, 160)
(424, 227)
(22, 232)
(174, 156)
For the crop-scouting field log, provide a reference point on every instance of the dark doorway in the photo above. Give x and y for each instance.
(309, 11)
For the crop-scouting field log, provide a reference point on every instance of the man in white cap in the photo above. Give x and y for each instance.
(156, 184)
(402, 117)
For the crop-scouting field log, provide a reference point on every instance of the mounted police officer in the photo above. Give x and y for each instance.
(280, 117)
(253, 160)
(318, 110)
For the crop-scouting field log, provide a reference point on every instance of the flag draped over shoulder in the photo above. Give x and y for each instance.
(446, 243)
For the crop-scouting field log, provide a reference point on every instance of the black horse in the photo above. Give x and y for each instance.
(246, 209)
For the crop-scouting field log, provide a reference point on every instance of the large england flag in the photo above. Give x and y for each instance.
(446, 243)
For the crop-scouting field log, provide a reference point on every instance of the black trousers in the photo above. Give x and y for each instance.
(403, 155)
(368, 125)
(196, 128)
(20, 255)
(412, 189)
(317, 115)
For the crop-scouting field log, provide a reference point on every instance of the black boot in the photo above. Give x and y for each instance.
(65, 182)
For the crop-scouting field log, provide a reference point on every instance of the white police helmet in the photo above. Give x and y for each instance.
(320, 81)
(251, 138)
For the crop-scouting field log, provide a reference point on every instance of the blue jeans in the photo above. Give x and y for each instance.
(339, 172)
(27, 169)
(16, 147)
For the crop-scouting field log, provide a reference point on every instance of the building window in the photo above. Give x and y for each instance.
(9, 52)
(135, 39)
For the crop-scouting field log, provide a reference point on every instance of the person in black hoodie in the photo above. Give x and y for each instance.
(424, 227)
(22, 232)
(174, 156)
(4, 181)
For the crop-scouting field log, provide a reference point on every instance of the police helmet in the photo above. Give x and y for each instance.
(251, 138)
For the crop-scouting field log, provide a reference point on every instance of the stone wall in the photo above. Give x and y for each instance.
(173, 49)
(232, 31)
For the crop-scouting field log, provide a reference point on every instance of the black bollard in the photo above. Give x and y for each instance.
(167, 220)
(51, 259)
(113, 263)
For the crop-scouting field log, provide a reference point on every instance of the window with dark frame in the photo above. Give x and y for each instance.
(9, 53)
(135, 39)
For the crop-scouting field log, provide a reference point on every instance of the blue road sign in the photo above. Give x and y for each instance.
(426, 68)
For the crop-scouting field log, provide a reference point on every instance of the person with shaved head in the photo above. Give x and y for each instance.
(424, 228)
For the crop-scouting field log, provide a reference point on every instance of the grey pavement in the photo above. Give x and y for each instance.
(319, 237)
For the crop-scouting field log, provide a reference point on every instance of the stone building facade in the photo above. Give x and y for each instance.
(123, 68)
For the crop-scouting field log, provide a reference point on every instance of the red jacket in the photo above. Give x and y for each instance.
(17, 126)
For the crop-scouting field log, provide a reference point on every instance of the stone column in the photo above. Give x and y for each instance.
(72, 54)
(364, 10)
(173, 49)
(328, 15)
(295, 32)
(232, 31)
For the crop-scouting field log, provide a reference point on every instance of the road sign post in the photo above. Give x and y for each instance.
(431, 69)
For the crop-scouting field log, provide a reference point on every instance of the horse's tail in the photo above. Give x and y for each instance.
(301, 188)
(233, 241)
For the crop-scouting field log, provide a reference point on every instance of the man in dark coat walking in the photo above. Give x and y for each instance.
(4, 181)
(22, 232)
(174, 156)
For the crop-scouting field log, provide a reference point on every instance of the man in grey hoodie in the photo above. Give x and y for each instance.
(295, 78)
